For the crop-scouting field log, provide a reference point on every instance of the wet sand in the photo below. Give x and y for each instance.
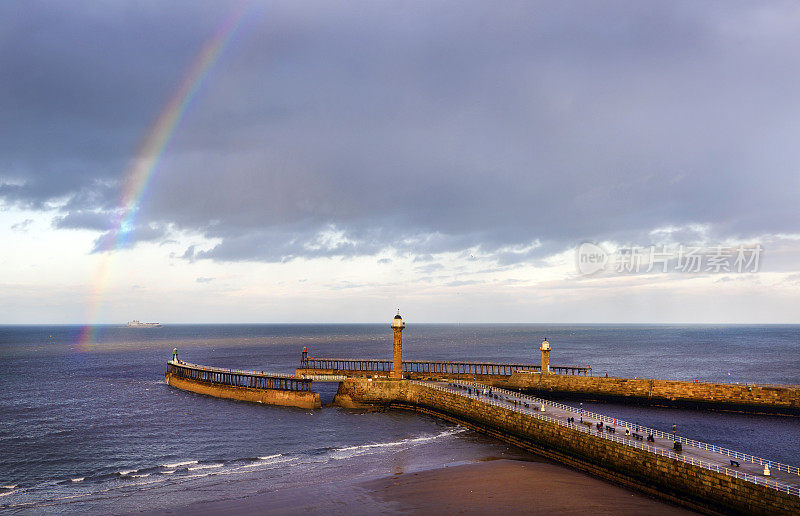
(510, 486)
(514, 487)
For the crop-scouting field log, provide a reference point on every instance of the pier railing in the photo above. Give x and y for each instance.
(779, 466)
(434, 367)
(773, 484)
(237, 378)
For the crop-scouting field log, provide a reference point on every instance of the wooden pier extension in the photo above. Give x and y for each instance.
(252, 386)
(425, 369)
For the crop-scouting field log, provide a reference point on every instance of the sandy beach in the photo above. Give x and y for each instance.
(507, 486)
(515, 487)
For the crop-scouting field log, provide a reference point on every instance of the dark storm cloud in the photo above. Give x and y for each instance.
(81, 84)
(512, 130)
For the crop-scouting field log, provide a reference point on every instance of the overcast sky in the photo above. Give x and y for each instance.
(341, 160)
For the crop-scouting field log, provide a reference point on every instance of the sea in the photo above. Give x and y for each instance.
(92, 428)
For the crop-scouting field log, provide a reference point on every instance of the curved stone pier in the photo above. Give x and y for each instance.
(252, 386)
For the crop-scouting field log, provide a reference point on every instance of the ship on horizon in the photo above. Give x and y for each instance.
(136, 324)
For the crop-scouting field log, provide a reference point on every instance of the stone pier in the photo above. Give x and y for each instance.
(692, 478)
(251, 386)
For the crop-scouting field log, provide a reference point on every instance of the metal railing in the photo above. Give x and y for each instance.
(654, 432)
(435, 367)
(236, 377)
(773, 484)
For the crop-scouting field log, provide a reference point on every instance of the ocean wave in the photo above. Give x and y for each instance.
(266, 462)
(254, 466)
(143, 478)
(353, 451)
(179, 464)
(205, 466)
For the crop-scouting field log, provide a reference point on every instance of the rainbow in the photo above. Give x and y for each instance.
(143, 167)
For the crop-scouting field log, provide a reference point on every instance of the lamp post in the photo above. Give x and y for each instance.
(581, 412)
(676, 445)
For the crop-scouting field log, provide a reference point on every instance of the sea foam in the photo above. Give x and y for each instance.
(179, 464)
(206, 466)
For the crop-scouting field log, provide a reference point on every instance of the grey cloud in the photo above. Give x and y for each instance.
(427, 269)
(345, 285)
(22, 226)
(422, 130)
(94, 220)
(281, 246)
(190, 253)
(204, 280)
(114, 240)
(461, 283)
(423, 258)
(727, 279)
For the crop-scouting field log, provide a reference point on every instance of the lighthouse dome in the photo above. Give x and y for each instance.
(397, 322)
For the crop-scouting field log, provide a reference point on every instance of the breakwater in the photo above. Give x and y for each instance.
(693, 477)
(251, 386)
(566, 381)
(763, 399)
(573, 382)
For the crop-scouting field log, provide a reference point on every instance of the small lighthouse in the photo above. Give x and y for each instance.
(397, 359)
(545, 356)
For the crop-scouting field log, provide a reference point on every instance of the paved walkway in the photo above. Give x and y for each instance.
(751, 468)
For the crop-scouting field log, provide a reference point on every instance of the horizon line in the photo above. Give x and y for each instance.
(474, 323)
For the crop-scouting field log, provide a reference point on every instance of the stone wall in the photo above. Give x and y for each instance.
(758, 399)
(650, 473)
(747, 398)
(301, 399)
